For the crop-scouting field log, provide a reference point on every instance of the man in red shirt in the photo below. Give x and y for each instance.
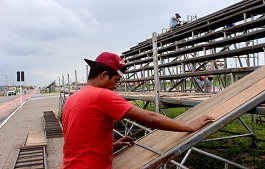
(88, 117)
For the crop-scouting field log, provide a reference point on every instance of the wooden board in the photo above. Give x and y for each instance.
(217, 106)
(36, 139)
(175, 98)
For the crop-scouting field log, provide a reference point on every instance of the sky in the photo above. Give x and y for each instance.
(48, 39)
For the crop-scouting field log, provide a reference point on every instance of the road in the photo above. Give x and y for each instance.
(4, 99)
(8, 104)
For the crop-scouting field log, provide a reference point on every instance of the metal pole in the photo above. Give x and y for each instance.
(264, 54)
(63, 84)
(68, 79)
(218, 158)
(178, 165)
(86, 72)
(59, 84)
(138, 125)
(60, 100)
(125, 85)
(20, 91)
(76, 80)
(156, 76)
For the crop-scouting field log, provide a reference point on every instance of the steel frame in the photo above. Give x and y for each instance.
(142, 75)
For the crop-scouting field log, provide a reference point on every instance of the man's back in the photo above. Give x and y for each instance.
(87, 126)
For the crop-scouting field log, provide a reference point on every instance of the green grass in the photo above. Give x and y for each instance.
(239, 150)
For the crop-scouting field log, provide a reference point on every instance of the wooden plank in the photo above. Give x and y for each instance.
(165, 96)
(222, 109)
(191, 74)
(36, 139)
(218, 106)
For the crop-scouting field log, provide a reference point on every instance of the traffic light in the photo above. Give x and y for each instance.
(20, 76)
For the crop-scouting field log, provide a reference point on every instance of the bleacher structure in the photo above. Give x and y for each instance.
(162, 71)
(205, 44)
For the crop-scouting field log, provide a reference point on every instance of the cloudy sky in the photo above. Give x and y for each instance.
(50, 38)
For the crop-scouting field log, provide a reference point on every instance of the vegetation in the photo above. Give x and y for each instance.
(247, 151)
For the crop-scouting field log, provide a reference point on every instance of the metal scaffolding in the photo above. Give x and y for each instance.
(228, 44)
(162, 70)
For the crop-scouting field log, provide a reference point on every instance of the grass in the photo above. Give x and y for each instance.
(246, 151)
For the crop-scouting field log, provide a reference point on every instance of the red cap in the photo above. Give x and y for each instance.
(202, 77)
(110, 60)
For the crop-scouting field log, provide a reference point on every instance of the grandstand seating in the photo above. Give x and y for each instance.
(200, 45)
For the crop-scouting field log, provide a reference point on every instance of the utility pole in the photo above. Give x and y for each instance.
(13, 81)
(6, 80)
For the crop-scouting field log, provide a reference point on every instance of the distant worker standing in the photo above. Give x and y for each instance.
(88, 117)
(174, 21)
(200, 81)
(209, 84)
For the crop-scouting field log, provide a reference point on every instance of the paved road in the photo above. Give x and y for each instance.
(4, 99)
(8, 104)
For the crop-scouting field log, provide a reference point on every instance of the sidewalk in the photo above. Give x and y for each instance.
(13, 133)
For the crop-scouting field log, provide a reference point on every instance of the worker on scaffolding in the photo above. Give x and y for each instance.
(174, 21)
(88, 117)
(198, 83)
(209, 84)
(201, 81)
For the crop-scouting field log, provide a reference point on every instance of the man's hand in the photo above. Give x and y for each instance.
(201, 121)
(125, 141)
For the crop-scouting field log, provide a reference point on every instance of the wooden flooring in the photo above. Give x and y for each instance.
(175, 98)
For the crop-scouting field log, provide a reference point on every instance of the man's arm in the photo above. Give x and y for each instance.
(158, 121)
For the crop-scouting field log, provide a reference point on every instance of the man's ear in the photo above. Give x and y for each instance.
(104, 75)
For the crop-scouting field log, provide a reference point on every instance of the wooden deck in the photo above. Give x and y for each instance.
(173, 98)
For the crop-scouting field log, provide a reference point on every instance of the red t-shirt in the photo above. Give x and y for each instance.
(88, 117)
